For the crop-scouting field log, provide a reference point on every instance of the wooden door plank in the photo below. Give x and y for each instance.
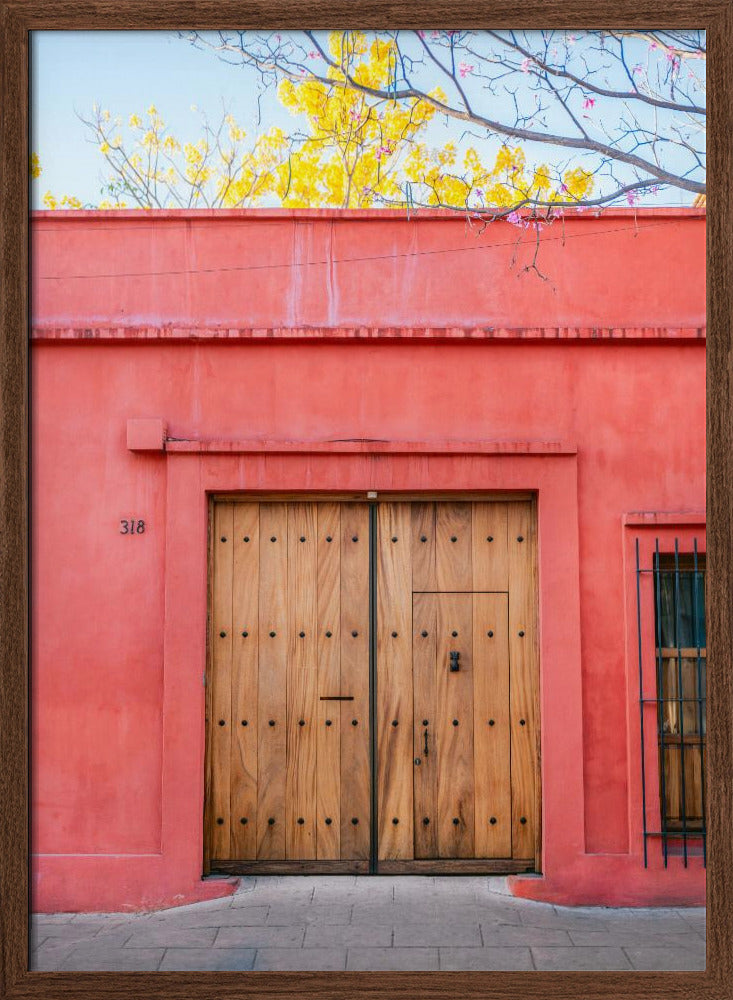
(221, 721)
(455, 722)
(423, 547)
(272, 681)
(394, 681)
(453, 545)
(491, 732)
(302, 682)
(522, 676)
(490, 554)
(425, 775)
(245, 638)
(355, 769)
(328, 721)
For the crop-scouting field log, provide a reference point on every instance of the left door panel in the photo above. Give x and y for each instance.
(287, 770)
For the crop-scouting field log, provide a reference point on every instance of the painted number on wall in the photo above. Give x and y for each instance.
(132, 527)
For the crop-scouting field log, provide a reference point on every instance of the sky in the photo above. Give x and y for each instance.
(125, 72)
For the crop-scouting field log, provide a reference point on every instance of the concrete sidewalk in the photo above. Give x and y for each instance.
(379, 923)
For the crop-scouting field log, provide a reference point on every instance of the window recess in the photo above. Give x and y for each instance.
(677, 581)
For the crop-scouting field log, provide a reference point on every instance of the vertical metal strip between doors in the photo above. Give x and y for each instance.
(373, 824)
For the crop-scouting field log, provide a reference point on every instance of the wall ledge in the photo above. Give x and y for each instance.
(366, 446)
(650, 518)
(172, 333)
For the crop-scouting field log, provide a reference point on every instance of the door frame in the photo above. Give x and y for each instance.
(488, 866)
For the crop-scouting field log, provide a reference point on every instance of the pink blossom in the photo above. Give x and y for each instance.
(525, 65)
(421, 34)
(435, 35)
(313, 54)
(516, 219)
(464, 69)
(589, 102)
(638, 68)
(632, 197)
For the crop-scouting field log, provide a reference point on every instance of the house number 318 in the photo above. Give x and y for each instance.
(132, 527)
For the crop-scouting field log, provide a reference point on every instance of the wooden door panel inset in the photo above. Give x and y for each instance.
(425, 720)
(490, 555)
(302, 681)
(245, 632)
(328, 718)
(272, 682)
(355, 769)
(522, 642)
(394, 686)
(454, 724)
(221, 702)
(453, 544)
(423, 547)
(491, 739)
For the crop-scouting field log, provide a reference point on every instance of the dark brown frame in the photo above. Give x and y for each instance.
(18, 18)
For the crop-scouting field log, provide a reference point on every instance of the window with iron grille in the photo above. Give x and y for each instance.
(678, 581)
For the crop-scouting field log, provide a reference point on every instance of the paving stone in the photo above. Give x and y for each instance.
(335, 935)
(672, 959)
(242, 916)
(91, 959)
(436, 935)
(307, 913)
(368, 913)
(378, 892)
(561, 959)
(696, 918)
(49, 956)
(470, 959)
(392, 959)
(115, 937)
(76, 930)
(69, 933)
(286, 885)
(52, 918)
(658, 919)
(37, 937)
(565, 918)
(299, 959)
(208, 959)
(514, 935)
(260, 937)
(161, 936)
(205, 905)
(644, 938)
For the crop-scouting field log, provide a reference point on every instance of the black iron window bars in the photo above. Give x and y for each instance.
(678, 584)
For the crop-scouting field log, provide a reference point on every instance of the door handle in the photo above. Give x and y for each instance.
(454, 654)
(425, 748)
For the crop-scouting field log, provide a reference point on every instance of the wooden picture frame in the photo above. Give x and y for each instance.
(19, 17)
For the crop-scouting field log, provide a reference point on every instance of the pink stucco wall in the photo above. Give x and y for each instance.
(273, 338)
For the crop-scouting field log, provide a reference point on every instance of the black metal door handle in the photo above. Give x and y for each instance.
(425, 750)
(454, 655)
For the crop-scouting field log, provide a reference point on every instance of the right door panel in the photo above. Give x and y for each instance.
(456, 660)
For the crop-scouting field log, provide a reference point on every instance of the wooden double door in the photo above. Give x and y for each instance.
(372, 687)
